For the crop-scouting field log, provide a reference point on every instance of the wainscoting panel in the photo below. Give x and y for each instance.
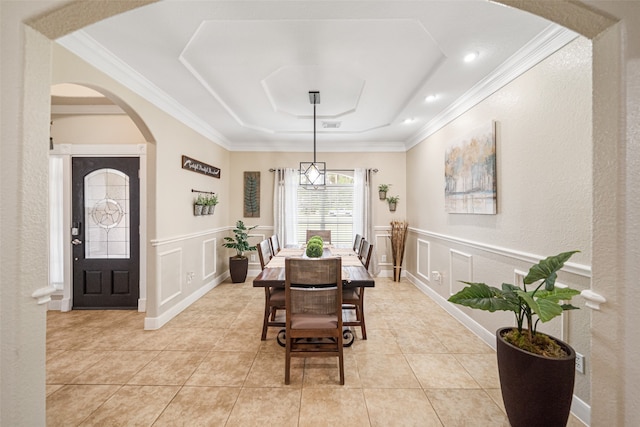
(209, 258)
(460, 268)
(423, 259)
(170, 275)
(383, 249)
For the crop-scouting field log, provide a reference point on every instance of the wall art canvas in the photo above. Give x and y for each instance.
(470, 172)
(252, 194)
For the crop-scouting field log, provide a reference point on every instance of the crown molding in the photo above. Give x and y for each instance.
(87, 48)
(550, 40)
(327, 147)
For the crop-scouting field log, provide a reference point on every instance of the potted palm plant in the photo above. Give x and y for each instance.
(537, 371)
(239, 263)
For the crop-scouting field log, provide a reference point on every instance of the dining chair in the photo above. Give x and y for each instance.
(353, 298)
(275, 244)
(313, 299)
(356, 243)
(325, 234)
(273, 297)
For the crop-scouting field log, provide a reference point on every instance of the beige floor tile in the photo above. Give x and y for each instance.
(466, 408)
(385, 371)
(461, 340)
(201, 339)
(380, 341)
(323, 372)
(266, 407)
(268, 371)
(482, 367)
(115, 367)
(71, 404)
(67, 365)
(330, 407)
(405, 407)
(239, 340)
(440, 371)
(414, 340)
(222, 368)
(199, 406)
(169, 368)
(132, 406)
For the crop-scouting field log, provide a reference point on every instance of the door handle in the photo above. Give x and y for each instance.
(76, 242)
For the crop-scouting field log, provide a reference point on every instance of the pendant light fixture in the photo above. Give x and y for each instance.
(312, 174)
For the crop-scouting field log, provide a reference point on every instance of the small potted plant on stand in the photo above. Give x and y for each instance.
(239, 264)
(382, 191)
(537, 371)
(392, 201)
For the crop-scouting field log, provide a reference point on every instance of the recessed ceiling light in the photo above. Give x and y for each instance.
(430, 98)
(409, 120)
(470, 56)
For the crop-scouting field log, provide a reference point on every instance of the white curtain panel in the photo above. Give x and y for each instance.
(285, 202)
(363, 211)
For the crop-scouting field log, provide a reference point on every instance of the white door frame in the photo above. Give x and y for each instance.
(67, 151)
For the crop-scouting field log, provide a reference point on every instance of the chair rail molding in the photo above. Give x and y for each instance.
(593, 299)
(43, 295)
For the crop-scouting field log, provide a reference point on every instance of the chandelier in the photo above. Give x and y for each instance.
(312, 174)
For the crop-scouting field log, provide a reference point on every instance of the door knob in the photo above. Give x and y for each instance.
(76, 242)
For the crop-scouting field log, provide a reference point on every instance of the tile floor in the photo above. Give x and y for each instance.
(208, 367)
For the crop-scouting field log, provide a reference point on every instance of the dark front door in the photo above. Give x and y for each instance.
(105, 232)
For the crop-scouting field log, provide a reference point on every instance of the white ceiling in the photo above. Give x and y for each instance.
(239, 72)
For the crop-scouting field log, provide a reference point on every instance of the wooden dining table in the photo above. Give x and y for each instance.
(354, 275)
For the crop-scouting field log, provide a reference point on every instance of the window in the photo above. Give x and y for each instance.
(328, 209)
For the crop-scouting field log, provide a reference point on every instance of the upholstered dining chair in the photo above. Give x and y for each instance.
(273, 297)
(275, 244)
(313, 299)
(353, 299)
(325, 234)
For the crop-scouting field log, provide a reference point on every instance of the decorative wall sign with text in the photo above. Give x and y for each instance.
(252, 194)
(197, 166)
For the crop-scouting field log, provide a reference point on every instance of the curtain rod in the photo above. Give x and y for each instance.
(333, 170)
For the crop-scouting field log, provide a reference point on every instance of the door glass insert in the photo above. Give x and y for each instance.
(106, 214)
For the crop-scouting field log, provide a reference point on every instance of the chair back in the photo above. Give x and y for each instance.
(325, 234)
(264, 252)
(275, 244)
(313, 287)
(356, 243)
(365, 253)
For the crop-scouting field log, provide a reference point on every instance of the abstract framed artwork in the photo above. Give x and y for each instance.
(470, 172)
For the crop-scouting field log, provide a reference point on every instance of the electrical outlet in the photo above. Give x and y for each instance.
(384, 258)
(579, 363)
(253, 258)
(436, 276)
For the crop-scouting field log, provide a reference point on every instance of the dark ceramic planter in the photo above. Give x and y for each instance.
(238, 269)
(537, 391)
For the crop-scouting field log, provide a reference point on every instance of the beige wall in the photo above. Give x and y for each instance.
(178, 243)
(544, 168)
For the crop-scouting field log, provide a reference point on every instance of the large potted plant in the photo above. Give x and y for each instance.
(537, 371)
(239, 264)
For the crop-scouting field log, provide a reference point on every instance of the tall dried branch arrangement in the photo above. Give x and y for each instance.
(398, 240)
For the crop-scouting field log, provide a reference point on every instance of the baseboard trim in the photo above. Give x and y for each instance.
(153, 323)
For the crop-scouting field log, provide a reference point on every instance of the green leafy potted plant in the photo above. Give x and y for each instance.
(314, 247)
(392, 201)
(212, 201)
(198, 205)
(537, 371)
(239, 264)
(382, 190)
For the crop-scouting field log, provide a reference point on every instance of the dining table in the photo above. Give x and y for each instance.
(354, 275)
